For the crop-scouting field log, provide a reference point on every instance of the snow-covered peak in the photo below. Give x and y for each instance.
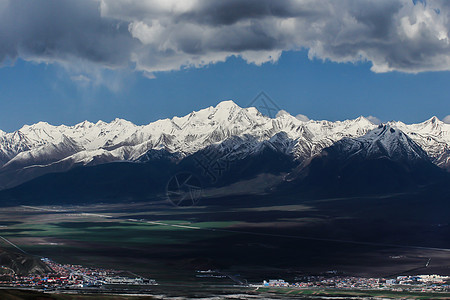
(37, 126)
(227, 105)
(40, 124)
(386, 141)
(431, 125)
(121, 122)
(101, 134)
(339, 129)
(42, 133)
(433, 120)
(284, 115)
(100, 123)
(430, 129)
(433, 136)
(363, 120)
(242, 128)
(224, 113)
(84, 124)
(383, 133)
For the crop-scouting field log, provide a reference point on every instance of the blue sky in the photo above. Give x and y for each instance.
(54, 76)
(31, 92)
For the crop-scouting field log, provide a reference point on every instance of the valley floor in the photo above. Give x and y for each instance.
(245, 241)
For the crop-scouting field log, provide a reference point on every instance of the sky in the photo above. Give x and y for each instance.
(64, 62)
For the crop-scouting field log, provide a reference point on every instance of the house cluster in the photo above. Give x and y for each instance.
(73, 276)
(422, 283)
(276, 283)
(433, 279)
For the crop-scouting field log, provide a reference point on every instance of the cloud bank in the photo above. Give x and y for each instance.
(164, 35)
(302, 118)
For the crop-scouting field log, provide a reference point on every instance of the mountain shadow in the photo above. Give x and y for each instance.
(385, 160)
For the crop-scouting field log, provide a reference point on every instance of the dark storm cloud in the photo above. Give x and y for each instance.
(53, 30)
(232, 11)
(161, 35)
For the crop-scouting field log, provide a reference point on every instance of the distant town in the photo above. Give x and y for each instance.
(416, 283)
(335, 280)
(77, 277)
(70, 276)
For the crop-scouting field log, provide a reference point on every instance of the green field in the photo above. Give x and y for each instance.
(112, 232)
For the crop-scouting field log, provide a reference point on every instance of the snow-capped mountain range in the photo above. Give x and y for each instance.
(384, 141)
(383, 161)
(42, 148)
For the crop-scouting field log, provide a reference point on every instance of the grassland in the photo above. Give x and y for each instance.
(266, 240)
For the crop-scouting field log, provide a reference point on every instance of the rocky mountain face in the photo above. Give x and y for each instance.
(232, 131)
(385, 160)
(433, 136)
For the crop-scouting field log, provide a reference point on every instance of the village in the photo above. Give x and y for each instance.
(77, 277)
(70, 276)
(416, 283)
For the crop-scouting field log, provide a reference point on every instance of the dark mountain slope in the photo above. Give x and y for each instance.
(125, 181)
(22, 264)
(383, 161)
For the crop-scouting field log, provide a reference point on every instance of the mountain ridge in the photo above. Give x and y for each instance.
(383, 161)
(43, 146)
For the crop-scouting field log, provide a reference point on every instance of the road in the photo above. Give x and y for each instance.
(12, 244)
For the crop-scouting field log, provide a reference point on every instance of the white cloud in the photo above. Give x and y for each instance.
(81, 78)
(282, 112)
(163, 35)
(374, 120)
(446, 119)
(302, 118)
(148, 75)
